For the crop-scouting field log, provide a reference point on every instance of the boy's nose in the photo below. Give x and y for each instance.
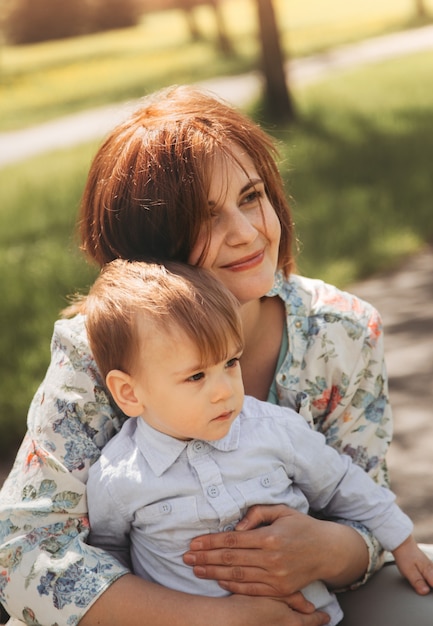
(223, 389)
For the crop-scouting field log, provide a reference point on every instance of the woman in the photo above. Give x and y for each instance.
(188, 178)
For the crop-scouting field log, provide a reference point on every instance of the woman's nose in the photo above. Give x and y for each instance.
(240, 228)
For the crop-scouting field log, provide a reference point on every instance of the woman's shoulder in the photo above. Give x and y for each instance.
(310, 297)
(71, 330)
(69, 342)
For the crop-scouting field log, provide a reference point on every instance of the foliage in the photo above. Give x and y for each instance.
(30, 21)
(41, 81)
(41, 266)
(357, 164)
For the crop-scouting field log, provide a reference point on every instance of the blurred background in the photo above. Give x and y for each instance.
(356, 144)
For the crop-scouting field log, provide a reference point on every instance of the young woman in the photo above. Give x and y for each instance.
(188, 178)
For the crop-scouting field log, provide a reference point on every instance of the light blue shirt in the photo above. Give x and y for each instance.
(163, 492)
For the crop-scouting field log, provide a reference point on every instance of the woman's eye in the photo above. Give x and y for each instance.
(196, 377)
(252, 196)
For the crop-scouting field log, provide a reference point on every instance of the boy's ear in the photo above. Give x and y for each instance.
(121, 387)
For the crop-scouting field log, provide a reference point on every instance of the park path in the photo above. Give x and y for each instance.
(239, 90)
(404, 296)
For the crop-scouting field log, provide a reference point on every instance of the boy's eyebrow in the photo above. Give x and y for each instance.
(190, 370)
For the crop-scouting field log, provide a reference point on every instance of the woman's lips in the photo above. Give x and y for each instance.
(245, 263)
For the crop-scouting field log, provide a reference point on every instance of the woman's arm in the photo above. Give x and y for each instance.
(136, 602)
(48, 573)
(342, 391)
(47, 569)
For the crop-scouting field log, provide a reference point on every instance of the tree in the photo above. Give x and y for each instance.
(188, 7)
(278, 100)
(421, 9)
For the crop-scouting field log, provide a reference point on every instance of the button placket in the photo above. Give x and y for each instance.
(212, 485)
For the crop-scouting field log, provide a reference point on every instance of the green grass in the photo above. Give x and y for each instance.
(358, 164)
(46, 80)
(40, 266)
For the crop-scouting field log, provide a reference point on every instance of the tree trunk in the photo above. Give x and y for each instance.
(224, 42)
(277, 98)
(421, 10)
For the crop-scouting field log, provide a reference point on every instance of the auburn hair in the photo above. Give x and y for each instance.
(146, 195)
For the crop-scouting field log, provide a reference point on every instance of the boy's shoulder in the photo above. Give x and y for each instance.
(269, 413)
(120, 448)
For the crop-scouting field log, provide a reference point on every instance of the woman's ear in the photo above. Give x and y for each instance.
(121, 387)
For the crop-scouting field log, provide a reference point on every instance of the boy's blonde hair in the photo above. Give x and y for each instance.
(169, 297)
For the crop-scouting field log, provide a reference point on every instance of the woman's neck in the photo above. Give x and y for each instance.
(263, 322)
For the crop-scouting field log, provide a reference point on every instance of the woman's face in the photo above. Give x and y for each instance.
(245, 232)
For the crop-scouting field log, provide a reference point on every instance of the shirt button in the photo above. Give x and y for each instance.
(265, 481)
(298, 324)
(228, 527)
(213, 491)
(197, 446)
(165, 507)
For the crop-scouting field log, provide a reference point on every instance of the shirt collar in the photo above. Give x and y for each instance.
(161, 451)
(278, 283)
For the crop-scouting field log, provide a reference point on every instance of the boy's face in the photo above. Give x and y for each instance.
(179, 397)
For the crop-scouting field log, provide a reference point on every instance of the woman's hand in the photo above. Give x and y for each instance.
(270, 611)
(276, 551)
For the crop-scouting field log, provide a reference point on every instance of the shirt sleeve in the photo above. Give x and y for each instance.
(48, 573)
(357, 417)
(337, 487)
(110, 518)
(341, 385)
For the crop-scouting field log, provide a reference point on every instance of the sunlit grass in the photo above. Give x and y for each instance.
(42, 81)
(357, 163)
(359, 169)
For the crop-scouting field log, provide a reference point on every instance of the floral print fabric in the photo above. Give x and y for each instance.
(333, 375)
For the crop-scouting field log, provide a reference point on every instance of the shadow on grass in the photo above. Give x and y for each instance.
(364, 198)
(363, 191)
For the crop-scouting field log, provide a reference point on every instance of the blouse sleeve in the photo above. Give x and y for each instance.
(339, 380)
(48, 573)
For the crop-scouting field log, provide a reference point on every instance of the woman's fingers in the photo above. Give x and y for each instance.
(263, 515)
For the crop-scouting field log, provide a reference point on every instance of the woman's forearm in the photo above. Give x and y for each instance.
(133, 601)
(137, 602)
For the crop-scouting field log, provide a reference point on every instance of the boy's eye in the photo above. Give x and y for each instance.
(232, 362)
(196, 377)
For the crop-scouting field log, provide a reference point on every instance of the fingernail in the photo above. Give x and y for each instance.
(199, 571)
(196, 544)
(189, 558)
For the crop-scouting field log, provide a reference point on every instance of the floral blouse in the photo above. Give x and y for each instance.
(333, 374)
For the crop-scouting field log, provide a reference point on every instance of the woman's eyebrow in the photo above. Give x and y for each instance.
(251, 183)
